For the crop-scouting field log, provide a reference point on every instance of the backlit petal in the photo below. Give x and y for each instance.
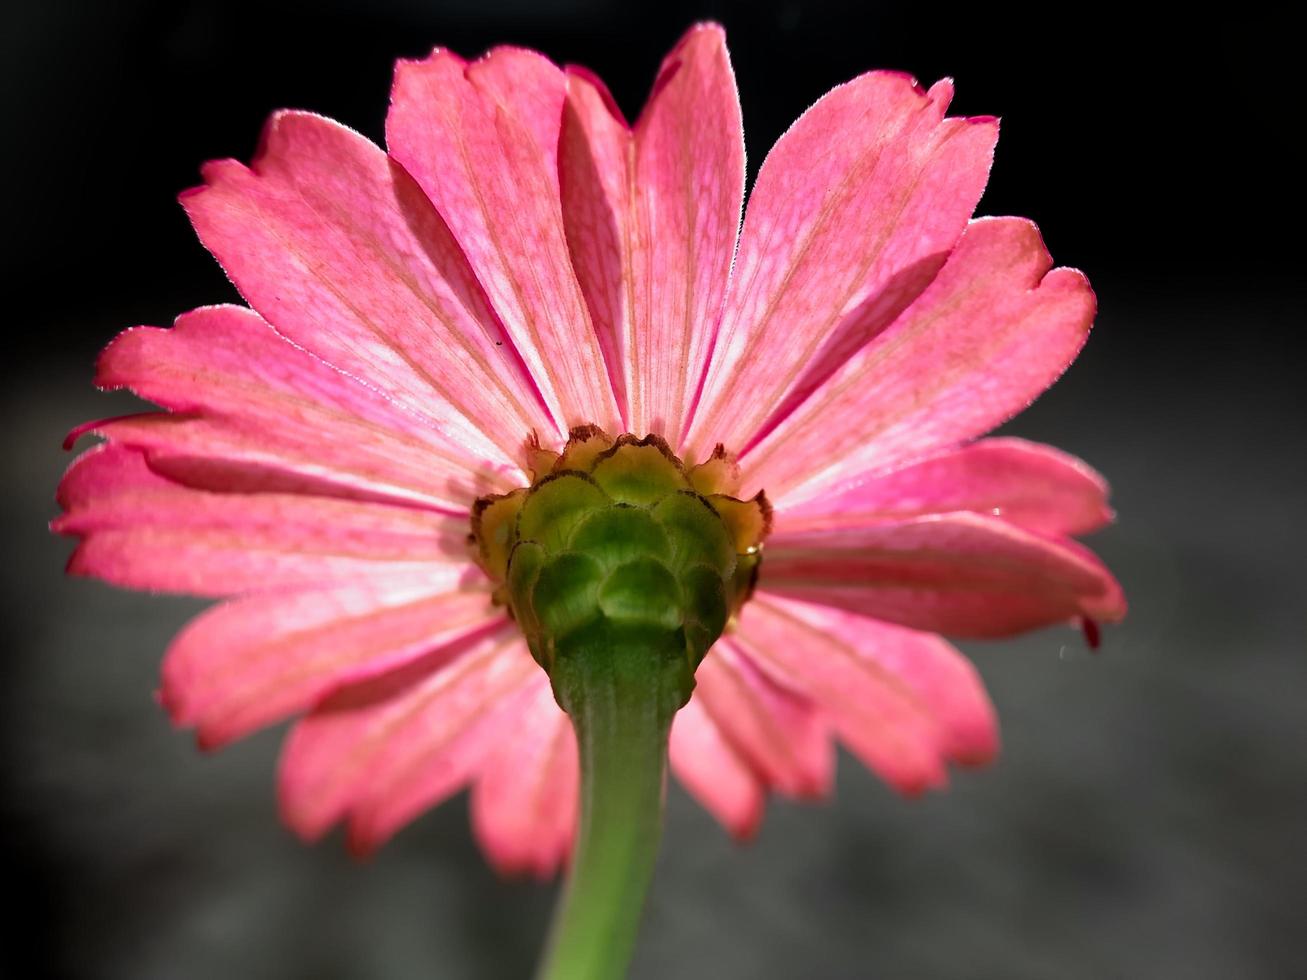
(780, 732)
(524, 800)
(1036, 487)
(246, 396)
(253, 661)
(482, 141)
(877, 714)
(856, 668)
(714, 773)
(960, 574)
(853, 213)
(342, 252)
(993, 330)
(383, 750)
(145, 531)
(652, 216)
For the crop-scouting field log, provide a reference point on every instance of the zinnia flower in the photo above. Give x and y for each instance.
(522, 274)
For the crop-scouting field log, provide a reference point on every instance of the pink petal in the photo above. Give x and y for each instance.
(256, 408)
(340, 250)
(651, 217)
(993, 331)
(482, 141)
(235, 455)
(779, 732)
(248, 397)
(844, 656)
(1036, 487)
(714, 773)
(961, 574)
(144, 531)
(524, 801)
(383, 750)
(253, 661)
(878, 715)
(854, 211)
(604, 233)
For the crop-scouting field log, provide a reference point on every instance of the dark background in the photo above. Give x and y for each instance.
(1147, 816)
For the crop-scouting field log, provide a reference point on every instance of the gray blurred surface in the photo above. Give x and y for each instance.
(1144, 820)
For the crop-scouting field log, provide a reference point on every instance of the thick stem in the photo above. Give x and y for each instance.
(621, 689)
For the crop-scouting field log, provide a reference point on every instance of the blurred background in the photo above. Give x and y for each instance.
(1146, 817)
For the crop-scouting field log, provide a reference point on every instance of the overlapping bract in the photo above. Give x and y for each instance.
(521, 260)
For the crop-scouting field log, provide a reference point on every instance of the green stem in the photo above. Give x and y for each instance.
(621, 688)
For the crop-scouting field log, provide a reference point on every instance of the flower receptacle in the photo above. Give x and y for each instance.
(617, 543)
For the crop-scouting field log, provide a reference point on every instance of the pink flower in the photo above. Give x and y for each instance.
(521, 261)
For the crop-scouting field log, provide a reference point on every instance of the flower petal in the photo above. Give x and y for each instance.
(854, 211)
(714, 773)
(142, 530)
(249, 398)
(877, 715)
(253, 661)
(652, 215)
(994, 329)
(882, 684)
(777, 730)
(340, 250)
(1036, 487)
(524, 800)
(385, 749)
(961, 574)
(482, 141)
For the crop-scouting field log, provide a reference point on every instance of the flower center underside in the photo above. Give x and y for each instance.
(618, 538)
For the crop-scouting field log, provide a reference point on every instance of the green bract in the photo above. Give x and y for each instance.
(617, 544)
